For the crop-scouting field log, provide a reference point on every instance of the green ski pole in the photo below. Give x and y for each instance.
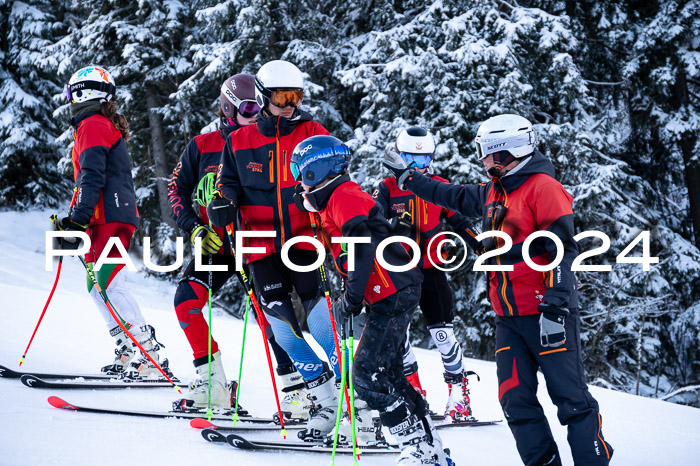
(343, 382)
(240, 367)
(351, 357)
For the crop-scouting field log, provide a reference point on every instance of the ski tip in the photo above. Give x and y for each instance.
(199, 423)
(57, 402)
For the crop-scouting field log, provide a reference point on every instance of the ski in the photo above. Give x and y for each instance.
(200, 423)
(441, 423)
(7, 373)
(243, 443)
(191, 414)
(37, 382)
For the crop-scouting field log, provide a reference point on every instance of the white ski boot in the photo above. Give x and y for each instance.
(368, 428)
(141, 367)
(296, 403)
(419, 442)
(324, 395)
(124, 352)
(458, 403)
(198, 396)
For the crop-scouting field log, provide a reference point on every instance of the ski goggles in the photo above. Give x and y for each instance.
(416, 160)
(285, 97)
(248, 108)
(487, 146)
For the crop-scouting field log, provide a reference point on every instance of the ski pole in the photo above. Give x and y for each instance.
(209, 410)
(326, 292)
(262, 323)
(343, 382)
(121, 323)
(55, 282)
(351, 358)
(240, 366)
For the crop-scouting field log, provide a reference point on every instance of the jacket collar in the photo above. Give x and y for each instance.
(268, 125)
(318, 198)
(76, 120)
(537, 163)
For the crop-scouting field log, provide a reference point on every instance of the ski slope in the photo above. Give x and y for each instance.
(73, 337)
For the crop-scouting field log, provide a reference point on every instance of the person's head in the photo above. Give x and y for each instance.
(237, 100)
(503, 141)
(317, 159)
(93, 86)
(279, 88)
(416, 146)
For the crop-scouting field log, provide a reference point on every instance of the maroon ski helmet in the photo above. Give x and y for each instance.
(235, 90)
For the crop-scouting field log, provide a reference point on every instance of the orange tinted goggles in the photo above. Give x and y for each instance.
(284, 98)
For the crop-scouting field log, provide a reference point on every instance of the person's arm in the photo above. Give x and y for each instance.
(467, 199)
(92, 177)
(182, 184)
(552, 208)
(364, 258)
(463, 227)
(228, 182)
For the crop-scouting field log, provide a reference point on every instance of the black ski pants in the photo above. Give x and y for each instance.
(378, 370)
(519, 354)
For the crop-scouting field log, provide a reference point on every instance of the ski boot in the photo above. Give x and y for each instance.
(458, 406)
(223, 394)
(368, 428)
(141, 367)
(323, 394)
(296, 403)
(124, 353)
(419, 442)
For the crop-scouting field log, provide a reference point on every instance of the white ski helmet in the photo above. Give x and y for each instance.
(416, 146)
(91, 83)
(507, 132)
(277, 75)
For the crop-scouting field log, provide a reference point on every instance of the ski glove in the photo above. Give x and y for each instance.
(221, 211)
(402, 225)
(211, 243)
(66, 224)
(397, 165)
(552, 320)
(343, 308)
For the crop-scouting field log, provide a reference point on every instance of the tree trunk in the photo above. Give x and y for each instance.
(162, 169)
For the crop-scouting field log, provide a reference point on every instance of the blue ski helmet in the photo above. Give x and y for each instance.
(316, 158)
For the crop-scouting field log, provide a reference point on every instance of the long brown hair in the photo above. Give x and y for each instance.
(109, 110)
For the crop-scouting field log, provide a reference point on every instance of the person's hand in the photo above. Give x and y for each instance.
(552, 321)
(343, 308)
(66, 224)
(402, 225)
(397, 165)
(221, 211)
(211, 243)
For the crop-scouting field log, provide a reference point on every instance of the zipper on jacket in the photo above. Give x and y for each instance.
(279, 186)
(379, 272)
(498, 258)
(272, 170)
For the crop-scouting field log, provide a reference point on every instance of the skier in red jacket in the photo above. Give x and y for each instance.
(422, 221)
(320, 164)
(254, 180)
(537, 322)
(200, 160)
(106, 208)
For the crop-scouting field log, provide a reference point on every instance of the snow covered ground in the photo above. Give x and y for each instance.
(73, 337)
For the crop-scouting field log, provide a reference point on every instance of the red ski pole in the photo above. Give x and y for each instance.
(55, 282)
(262, 323)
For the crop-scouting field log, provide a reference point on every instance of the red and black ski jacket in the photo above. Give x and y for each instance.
(255, 175)
(346, 210)
(201, 156)
(533, 201)
(102, 171)
(426, 219)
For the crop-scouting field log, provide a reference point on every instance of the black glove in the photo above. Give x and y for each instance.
(343, 308)
(402, 226)
(552, 320)
(299, 198)
(66, 224)
(221, 211)
(397, 165)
